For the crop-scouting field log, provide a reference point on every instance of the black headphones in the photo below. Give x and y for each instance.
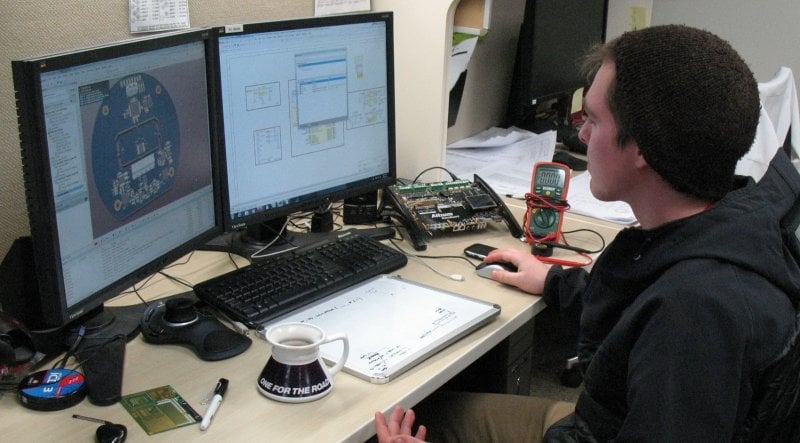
(16, 344)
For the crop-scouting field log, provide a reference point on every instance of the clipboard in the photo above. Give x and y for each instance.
(392, 324)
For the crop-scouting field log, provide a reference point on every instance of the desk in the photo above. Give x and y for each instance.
(246, 415)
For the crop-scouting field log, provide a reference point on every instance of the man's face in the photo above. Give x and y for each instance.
(610, 164)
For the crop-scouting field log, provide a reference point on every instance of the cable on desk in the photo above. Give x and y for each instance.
(602, 240)
(279, 235)
(176, 279)
(237, 326)
(78, 338)
(565, 262)
(419, 258)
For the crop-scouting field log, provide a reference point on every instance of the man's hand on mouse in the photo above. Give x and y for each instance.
(530, 273)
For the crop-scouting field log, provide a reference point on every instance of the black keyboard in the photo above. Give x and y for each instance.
(275, 286)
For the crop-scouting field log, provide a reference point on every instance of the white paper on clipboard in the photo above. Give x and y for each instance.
(393, 324)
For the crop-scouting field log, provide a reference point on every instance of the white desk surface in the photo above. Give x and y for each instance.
(346, 414)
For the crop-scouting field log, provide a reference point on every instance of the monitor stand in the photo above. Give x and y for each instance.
(111, 321)
(260, 240)
(253, 243)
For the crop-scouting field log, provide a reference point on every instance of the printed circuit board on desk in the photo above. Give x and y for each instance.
(431, 209)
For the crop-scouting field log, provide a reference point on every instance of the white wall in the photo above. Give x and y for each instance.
(764, 32)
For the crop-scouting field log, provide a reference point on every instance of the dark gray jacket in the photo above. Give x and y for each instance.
(678, 323)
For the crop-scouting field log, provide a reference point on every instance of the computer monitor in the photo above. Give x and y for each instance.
(553, 39)
(307, 109)
(117, 163)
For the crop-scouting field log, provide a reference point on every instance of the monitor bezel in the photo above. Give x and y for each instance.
(51, 310)
(323, 199)
(525, 95)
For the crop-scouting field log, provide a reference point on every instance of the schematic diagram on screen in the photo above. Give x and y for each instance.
(135, 142)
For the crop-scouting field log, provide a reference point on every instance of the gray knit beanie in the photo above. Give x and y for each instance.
(690, 102)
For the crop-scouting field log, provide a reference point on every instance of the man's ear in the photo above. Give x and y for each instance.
(638, 157)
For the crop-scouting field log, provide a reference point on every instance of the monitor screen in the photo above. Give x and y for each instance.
(307, 110)
(553, 39)
(117, 160)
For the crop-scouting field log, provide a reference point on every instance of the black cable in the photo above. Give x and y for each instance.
(567, 246)
(411, 254)
(78, 338)
(177, 279)
(452, 176)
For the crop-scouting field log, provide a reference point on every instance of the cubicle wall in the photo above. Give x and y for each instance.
(423, 34)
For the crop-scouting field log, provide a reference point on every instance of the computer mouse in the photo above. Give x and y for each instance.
(485, 269)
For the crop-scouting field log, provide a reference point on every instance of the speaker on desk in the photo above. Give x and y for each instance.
(361, 210)
(102, 362)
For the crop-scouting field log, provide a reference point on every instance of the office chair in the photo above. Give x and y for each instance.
(775, 412)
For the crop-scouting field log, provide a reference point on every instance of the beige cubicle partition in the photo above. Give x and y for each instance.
(423, 41)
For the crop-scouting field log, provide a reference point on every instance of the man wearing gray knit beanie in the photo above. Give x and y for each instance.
(688, 322)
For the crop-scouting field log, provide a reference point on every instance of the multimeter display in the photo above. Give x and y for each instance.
(549, 185)
(549, 181)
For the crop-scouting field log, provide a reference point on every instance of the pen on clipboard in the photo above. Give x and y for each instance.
(216, 400)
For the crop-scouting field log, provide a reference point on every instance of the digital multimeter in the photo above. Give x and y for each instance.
(548, 200)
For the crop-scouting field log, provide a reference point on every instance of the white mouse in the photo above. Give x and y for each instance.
(485, 269)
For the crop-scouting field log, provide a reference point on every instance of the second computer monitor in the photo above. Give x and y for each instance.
(307, 110)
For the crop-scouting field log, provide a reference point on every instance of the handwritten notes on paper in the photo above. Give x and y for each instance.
(326, 7)
(393, 324)
(158, 15)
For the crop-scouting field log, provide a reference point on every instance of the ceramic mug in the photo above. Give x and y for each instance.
(295, 372)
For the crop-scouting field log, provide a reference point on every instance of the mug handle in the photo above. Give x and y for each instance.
(332, 370)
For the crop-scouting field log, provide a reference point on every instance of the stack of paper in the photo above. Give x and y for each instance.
(504, 158)
(581, 201)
